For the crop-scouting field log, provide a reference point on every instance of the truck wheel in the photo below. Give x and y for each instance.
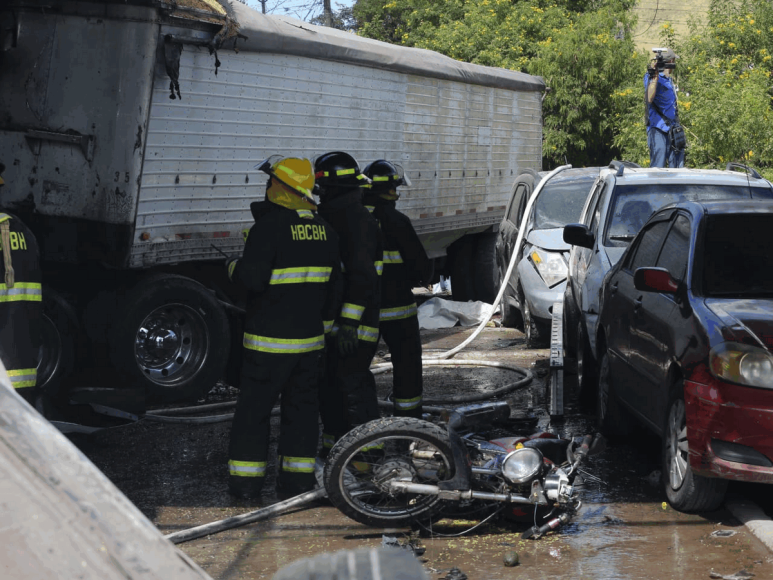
(59, 331)
(173, 337)
(485, 272)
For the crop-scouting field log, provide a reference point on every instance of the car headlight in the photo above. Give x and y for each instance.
(743, 364)
(550, 265)
(522, 465)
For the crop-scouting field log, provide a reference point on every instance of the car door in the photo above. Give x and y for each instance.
(659, 319)
(627, 328)
(510, 226)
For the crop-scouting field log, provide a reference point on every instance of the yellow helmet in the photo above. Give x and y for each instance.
(297, 177)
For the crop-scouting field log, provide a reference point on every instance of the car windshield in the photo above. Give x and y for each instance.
(561, 203)
(632, 205)
(737, 260)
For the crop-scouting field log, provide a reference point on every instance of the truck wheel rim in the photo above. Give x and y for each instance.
(676, 445)
(171, 344)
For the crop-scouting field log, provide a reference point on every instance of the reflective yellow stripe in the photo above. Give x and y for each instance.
(352, 311)
(21, 291)
(398, 312)
(379, 267)
(382, 177)
(4, 217)
(328, 325)
(408, 404)
(231, 268)
(298, 464)
(345, 172)
(297, 178)
(22, 378)
(371, 447)
(367, 333)
(393, 257)
(370, 208)
(305, 213)
(299, 275)
(328, 440)
(283, 345)
(247, 468)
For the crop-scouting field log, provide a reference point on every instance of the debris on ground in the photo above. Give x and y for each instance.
(741, 575)
(455, 574)
(392, 542)
(653, 478)
(511, 559)
(723, 533)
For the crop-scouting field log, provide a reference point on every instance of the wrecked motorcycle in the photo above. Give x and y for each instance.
(398, 471)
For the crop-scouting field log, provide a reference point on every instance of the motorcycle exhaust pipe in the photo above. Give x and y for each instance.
(426, 489)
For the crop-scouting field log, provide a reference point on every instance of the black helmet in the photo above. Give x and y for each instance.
(337, 169)
(386, 177)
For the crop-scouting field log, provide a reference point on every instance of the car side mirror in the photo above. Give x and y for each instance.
(578, 235)
(654, 280)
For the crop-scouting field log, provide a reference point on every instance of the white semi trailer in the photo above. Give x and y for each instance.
(134, 195)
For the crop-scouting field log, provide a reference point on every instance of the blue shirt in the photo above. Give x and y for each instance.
(665, 99)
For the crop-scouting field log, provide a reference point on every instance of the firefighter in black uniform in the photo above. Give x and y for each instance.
(406, 266)
(291, 270)
(21, 303)
(348, 391)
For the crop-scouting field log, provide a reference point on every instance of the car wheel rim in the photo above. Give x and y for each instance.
(171, 344)
(676, 445)
(526, 322)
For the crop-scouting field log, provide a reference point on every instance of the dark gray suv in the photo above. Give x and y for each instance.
(620, 202)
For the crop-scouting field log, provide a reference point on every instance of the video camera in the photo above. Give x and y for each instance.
(660, 60)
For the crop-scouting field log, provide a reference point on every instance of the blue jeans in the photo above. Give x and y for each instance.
(660, 148)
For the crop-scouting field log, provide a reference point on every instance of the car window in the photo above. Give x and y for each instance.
(673, 257)
(737, 260)
(561, 203)
(585, 219)
(596, 213)
(649, 245)
(632, 205)
(516, 205)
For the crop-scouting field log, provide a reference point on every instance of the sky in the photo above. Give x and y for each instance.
(301, 9)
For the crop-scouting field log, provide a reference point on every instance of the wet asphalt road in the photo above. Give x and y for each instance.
(176, 475)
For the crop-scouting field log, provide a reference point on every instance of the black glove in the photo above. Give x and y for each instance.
(347, 340)
(652, 71)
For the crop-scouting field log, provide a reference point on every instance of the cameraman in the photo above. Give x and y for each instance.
(660, 97)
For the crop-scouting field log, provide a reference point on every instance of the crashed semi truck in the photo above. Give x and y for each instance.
(129, 130)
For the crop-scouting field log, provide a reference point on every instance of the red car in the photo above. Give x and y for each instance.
(685, 340)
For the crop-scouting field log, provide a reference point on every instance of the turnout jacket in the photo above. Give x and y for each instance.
(405, 261)
(21, 306)
(362, 261)
(291, 270)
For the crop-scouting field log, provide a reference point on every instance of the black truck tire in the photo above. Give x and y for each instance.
(172, 336)
(59, 336)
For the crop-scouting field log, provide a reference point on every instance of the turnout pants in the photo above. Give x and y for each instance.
(347, 392)
(404, 342)
(264, 377)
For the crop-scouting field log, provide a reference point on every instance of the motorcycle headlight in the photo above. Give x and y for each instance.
(522, 465)
(743, 364)
(550, 265)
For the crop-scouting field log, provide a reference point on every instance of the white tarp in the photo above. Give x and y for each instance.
(439, 313)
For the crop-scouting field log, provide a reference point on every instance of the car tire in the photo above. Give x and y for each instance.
(587, 371)
(611, 419)
(511, 316)
(535, 333)
(686, 491)
(190, 325)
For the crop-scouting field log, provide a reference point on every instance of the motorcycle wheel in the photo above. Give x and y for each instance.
(361, 465)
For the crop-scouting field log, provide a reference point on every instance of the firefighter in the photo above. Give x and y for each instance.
(406, 266)
(21, 303)
(348, 391)
(290, 269)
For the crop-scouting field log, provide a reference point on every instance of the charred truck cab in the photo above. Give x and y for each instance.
(130, 128)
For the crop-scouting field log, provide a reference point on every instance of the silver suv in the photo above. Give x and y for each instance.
(621, 200)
